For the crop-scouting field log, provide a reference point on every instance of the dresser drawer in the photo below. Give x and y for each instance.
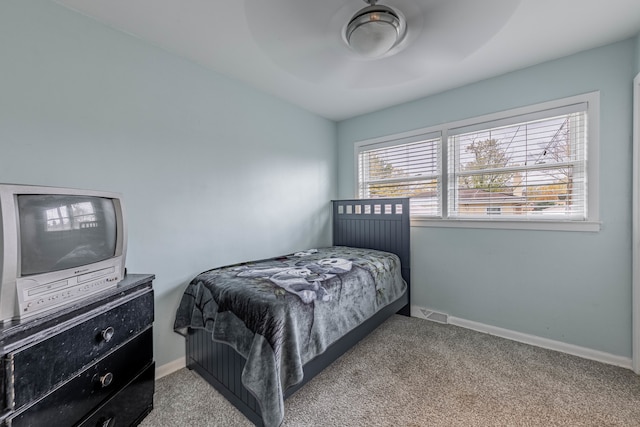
(39, 368)
(68, 404)
(129, 406)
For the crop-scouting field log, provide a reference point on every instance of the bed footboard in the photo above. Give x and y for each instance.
(221, 366)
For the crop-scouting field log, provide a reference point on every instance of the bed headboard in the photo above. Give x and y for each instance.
(382, 224)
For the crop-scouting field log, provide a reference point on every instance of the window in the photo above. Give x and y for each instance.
(406, 168)
(535, 164)
(71, 216)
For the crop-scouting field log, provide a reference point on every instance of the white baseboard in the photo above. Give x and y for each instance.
(586, 353)
(549, 344)
(171, 367)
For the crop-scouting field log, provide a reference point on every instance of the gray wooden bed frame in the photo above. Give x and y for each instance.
(381, 224)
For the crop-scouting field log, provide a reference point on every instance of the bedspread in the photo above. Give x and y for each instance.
(282, 312)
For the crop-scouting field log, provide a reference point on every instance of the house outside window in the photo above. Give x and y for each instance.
(532, 167)
(492, 210)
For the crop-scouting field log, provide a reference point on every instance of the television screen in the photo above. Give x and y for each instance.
(64, 231)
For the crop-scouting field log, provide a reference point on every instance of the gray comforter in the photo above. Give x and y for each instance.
(282, 312)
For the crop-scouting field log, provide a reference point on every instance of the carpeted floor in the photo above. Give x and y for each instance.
(412, 372)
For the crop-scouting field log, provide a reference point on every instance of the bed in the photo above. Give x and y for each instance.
(258, 331)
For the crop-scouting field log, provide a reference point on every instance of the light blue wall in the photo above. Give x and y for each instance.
(212, 171)
(200, 160)
(638, 53)
(572, 287)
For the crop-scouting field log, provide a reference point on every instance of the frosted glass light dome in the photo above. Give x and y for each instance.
(375, 30)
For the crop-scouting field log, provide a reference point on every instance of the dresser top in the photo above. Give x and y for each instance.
(132, 284)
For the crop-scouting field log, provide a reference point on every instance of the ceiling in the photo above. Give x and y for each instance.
(294, 50)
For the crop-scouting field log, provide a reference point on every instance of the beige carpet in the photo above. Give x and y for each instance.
(412, 372)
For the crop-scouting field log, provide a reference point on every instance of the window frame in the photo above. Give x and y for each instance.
(487, 121)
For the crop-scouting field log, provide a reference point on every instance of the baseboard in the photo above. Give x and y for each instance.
(586, 353)
(171, 367)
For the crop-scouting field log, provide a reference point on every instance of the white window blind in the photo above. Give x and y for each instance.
(523, 169)
(533, 167)
(405, 168)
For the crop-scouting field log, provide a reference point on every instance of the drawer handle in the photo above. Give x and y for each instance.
(105, 379)
(107, 334)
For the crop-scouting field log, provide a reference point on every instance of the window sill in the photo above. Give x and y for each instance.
(589, 226)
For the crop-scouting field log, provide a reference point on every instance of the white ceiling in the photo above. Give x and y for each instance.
(293, 48)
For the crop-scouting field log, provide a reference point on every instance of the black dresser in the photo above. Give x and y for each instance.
(89, 364)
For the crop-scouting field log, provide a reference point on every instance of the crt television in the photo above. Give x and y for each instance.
(58, 246)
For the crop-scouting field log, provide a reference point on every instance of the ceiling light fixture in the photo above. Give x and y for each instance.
(375, 30)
